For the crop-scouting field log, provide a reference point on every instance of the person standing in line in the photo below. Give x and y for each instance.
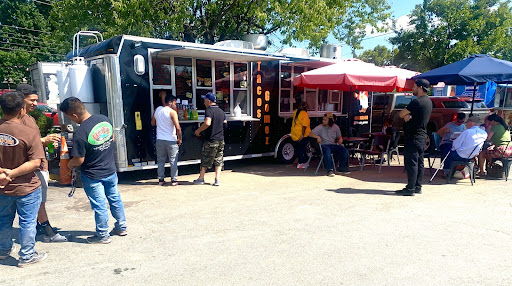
(168, 138)
(300, 132)
(21, 153)
(93, 151)
(43, 223)
(213, 145)
(416, 116)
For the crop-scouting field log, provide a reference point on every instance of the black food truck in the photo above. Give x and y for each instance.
(121, 77)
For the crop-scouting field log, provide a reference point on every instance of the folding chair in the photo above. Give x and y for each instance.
(318, 152)
(393, 148)
(377, 140)
(433, 151)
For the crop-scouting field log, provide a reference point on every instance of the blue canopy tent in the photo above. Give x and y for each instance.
(476, 69)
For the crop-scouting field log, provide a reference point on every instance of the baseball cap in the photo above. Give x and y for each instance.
(423, 83)
(475, 119)
(329, 115)
(210, 96)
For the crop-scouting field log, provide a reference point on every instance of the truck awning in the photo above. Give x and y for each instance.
(220, 55)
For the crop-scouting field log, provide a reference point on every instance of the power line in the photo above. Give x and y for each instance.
(45, 3)
(31, 46)
(26, 38)
(30, 52)
(22, 28)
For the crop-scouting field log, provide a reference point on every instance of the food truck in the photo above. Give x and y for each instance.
(122, 77)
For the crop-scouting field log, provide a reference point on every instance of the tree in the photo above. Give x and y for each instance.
(380, 56)
(24, 38)
(446, 31)
(212, 21)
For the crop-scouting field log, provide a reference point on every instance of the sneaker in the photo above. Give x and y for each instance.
(161, 182)
(199, 182)
(4, 255)
(330, 174)
(300, 166)
(99, 239)
(217, 183)
(417, 191)
(305, 165)
(120, 232)
(174, 183)
(344, 172)
(56, 238)
(37, 257)
(405, 192)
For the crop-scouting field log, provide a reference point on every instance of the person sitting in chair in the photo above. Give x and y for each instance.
(468, 143)
(328, 135)
(448, 131)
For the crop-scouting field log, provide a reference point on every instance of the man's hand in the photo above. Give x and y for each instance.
(319, 140)
(197, 133)
(179, 141)
(407, 117)
(55, 138)
(4, 180)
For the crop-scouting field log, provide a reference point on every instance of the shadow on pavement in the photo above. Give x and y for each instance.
(350, 191)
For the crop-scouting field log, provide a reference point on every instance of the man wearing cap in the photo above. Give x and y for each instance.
(468, 144)
(416, 116)
(449, 131)
(212, 132)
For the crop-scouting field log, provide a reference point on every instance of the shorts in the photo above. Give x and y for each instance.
(213, 154)
(497, 152)
(43, 177)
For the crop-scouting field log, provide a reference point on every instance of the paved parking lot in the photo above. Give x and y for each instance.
(271, 224)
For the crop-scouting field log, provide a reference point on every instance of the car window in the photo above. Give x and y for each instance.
(44, 108)
(402, 101)
(477, 104)
(455, 104)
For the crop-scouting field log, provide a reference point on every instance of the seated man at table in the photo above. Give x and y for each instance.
(448, 131)
(328, 135)
(468, 143)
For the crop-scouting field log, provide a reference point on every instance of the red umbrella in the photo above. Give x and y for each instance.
(355, 74)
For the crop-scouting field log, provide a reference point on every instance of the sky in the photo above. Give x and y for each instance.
(399, 11)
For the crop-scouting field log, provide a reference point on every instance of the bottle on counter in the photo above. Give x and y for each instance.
(190, 113)
(185, 113)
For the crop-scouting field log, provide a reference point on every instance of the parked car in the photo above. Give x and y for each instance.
(49, 111)
(445, 109)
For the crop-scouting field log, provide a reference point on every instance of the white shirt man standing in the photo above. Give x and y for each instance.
(168, 138)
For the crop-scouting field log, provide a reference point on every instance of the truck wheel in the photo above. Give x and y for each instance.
(286, 152)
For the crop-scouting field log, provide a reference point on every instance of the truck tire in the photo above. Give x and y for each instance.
(287, 151)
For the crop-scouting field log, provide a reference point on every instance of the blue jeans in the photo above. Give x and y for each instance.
(454, 156)
(445, 148)
(98, 192)
(167, 150)
(340, 154)
(27, 207)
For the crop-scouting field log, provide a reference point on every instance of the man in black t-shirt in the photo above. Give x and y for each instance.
(213, 135)
(93, 151)
(416, 116)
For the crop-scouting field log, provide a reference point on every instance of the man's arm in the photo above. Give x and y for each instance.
(175, 121)
(25, 168)
(207, 122)
(153, 119)
(404, 112)
(75, 162)
(459, 140)
(318, 139)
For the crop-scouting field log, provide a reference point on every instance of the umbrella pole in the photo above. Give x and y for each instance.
(371, 112)
(473, 100)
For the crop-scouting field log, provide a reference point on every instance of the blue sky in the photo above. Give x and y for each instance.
(399, 8)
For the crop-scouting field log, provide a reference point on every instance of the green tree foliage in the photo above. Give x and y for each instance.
(380, 56)
(212, 21)
(44, 123)
(25, 37)
(450, 30)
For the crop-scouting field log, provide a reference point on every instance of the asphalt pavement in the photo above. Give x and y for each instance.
(272, 224)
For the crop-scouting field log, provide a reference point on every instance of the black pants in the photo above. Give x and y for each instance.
(413, 160)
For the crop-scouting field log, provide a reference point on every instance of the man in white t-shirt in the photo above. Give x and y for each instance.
(168, 138)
